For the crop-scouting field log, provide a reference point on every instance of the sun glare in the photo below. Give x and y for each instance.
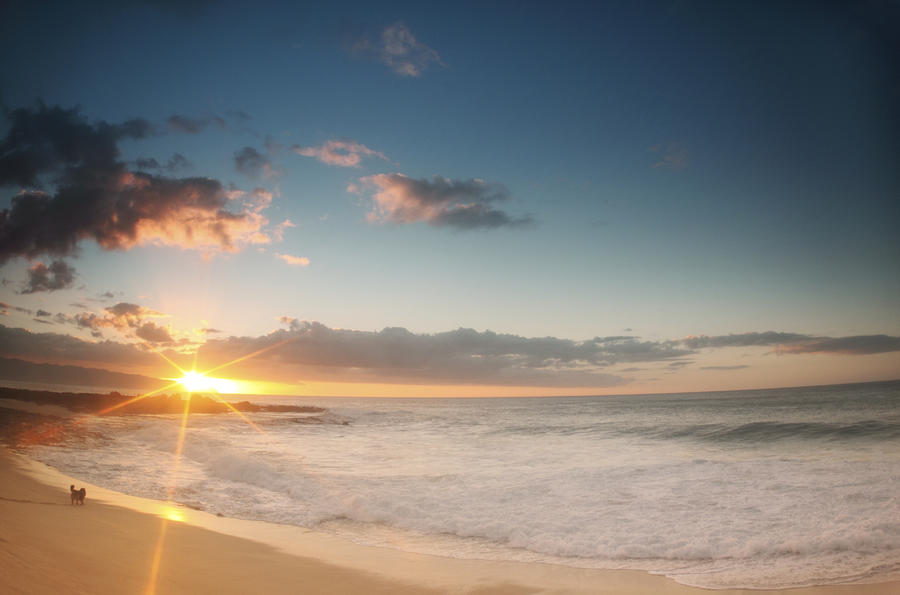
(196, 382)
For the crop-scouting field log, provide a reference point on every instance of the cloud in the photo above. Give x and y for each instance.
(97, 198)
(855, 345)
(345, 153)
(399, 50)
(460, 204)
(300, 261)
(794, 343)
(59, 275)
(724, 368)
(238, 115)
(131, 320)
(188, 125)
(252, 163)
(672, 156)
(742, 340)
(56, 347)
(680, 364)
(153, 333)
(44, 139)
(313, 351)
(4, 309)
(42, 313)
(176, 162)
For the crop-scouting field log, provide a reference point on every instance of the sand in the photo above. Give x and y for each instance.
(121, 544)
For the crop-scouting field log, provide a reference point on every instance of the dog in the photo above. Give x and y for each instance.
(77, 495)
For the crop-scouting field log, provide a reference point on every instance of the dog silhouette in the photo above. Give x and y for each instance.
(77, 495)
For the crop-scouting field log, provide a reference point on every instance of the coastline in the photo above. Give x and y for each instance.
(110, 545)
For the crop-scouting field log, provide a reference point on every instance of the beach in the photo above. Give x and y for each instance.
(50, 546)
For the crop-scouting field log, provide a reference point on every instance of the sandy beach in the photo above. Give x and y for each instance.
(120, 544)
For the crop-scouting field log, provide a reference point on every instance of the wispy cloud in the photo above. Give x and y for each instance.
(297, 261)
(188, 125)
(398, 49)
(856, 345)
(795, 343)
(345, 153)
(672, 156)
(442, 202)
(5, 308)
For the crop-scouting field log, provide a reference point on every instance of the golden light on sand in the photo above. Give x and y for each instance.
(197, 382)
(173, 514)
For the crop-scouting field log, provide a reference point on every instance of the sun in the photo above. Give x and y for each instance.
(197, 382)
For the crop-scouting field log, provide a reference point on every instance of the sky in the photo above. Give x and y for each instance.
(463, 199)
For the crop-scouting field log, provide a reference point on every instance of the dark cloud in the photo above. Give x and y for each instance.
(59, 275)
(153, 333)
(742, 340)
(724, 368)
(56, 347)
(42, 140)
(310, 350)
(855, 345)
(6, 307)
(313, 351)
(461, 204)
(176, 162)
(97, 198)
(41, 313)
(125, 310)
(251, 162)
(788, 343)
(680, 364)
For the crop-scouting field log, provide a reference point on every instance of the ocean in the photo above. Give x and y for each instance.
(749, 489)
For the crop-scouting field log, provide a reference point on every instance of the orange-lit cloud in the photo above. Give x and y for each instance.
(298, 261)
(97, 198)
(345, 153)
(461, 204)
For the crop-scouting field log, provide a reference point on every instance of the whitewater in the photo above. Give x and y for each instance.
(750, 489)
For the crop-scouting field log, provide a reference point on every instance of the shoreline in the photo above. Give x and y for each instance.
(109, 545)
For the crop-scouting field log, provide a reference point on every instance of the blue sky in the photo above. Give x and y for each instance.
(650, 170)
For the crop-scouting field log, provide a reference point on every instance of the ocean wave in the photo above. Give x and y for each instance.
(763, 431)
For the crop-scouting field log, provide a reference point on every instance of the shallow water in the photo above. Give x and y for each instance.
(761, 489)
